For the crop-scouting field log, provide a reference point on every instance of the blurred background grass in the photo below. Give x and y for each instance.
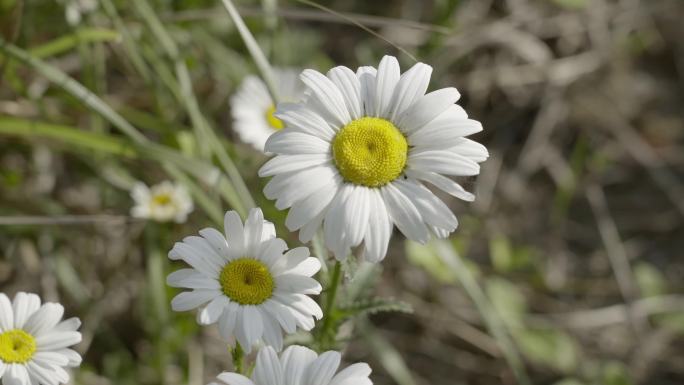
(575, 238)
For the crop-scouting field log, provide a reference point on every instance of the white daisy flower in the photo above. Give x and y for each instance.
(34, 341)
(251, 286)
(355, 154)
(299, 365)
(253, 108)
(163, 202)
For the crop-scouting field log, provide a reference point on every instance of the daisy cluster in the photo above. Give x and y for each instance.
(355, 152)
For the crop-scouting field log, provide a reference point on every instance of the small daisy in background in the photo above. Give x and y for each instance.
(253, 109)
(35, 342)
(163, 202)
(299, 365)
(251, 286)
(355, 155)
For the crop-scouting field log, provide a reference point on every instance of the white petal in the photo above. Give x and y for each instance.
(327, 94)
(404, 214)
(253, 231)
(288, 163)
(189, 300)
(356, 381)
(205, 251)
(50, 358)
(216, 240)
(191, 279)
(411, 86)
(294, 360)
(16, 375)
(298, 117)
(273, 335)
(24, 305)
(234, 379)
(308, 267)
(379, 230)
(307, 232)
(322, 369)
(292, 187)
(251, 325)
(356, 371)
(443, 183)
(196, 258)
(443, 134)
(267, 370)
(69, 325)
(57, 340)
(282, 314)
(211, 313)
(357, 209)
(386, 80)
(427, 108)
(6, 314)
(235, 232)
(44, 319)
(471, 150)
(291, 259)
(72, 356)
(228, 320)
(293, 283)
(367, 82)
(295, 143)
(334, 223)
(271, 251)
(348, 84)
(433, 211)
(443, 162)
(305, 210)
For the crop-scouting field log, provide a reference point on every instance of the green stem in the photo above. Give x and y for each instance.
(238, 358)
(327, 336)
(492, 319)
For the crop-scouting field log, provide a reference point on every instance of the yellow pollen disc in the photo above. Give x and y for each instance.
(16, 347)
(162, 199)
(246, 281)
(274, 122)
(370, 152)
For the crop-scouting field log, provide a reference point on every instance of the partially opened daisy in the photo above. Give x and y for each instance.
(35, 342)
(355, 155)
(299, 365)
(163, 202)
(253, 108)
(250, 284)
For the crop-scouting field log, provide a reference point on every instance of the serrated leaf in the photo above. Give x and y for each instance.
(373, 306)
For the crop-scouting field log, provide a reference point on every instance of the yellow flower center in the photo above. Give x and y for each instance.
(16, 346)
(162, 199)
(246, 281)
(274, 122)
(370, 152)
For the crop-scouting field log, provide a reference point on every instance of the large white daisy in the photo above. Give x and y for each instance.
(163, 202)
(299, 365)
(34, 341)
(355, 154)
(253, 108)
(251, 286)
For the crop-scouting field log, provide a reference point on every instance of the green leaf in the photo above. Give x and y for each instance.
(650, 280)
(66, 134)
(550, 347)
(508, 301)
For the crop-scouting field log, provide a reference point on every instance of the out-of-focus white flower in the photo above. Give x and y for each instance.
(299, 365)
(355, 154)
(163, 202)
(252, 287)
(253, 108)
(35, 342)
(75, 9)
